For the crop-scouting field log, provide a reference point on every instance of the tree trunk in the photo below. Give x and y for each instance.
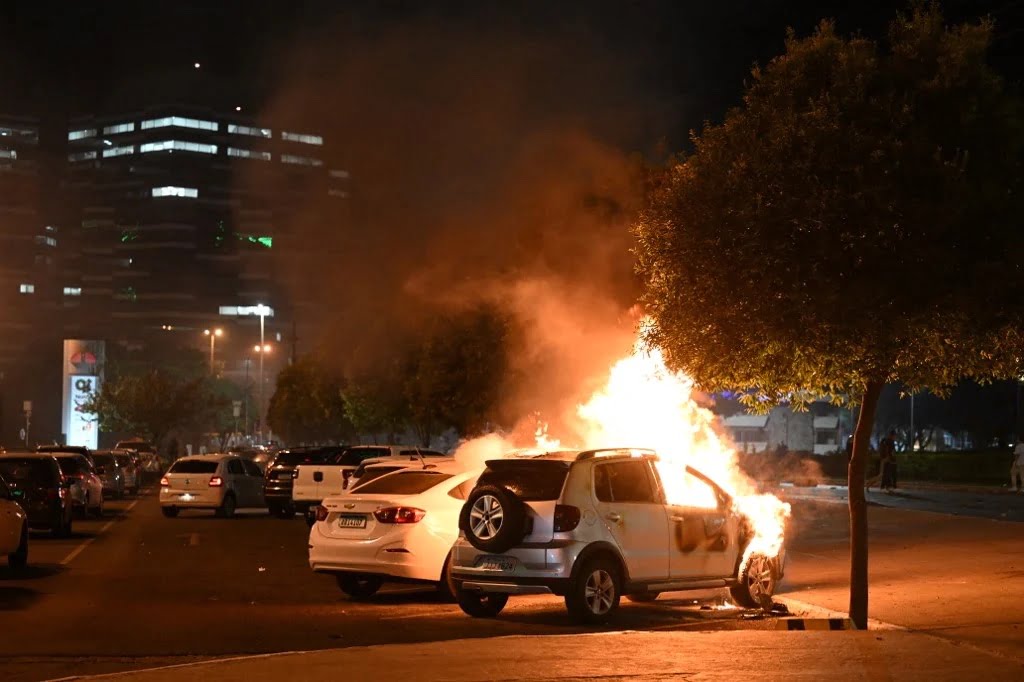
(859, 505)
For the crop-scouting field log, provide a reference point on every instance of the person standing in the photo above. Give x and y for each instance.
(887, 454)
(1017, 468)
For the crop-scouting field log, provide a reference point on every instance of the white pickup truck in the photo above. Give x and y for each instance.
(314, 482)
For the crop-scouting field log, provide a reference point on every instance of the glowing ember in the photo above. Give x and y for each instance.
(646, 405)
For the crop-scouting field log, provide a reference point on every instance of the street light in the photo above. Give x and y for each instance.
(213, 334)
(261, 349)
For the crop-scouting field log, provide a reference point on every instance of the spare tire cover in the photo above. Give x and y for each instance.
(493, 519)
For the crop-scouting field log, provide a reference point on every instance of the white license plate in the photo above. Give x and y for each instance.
(497, 563)
(352, 521)
(186, 497)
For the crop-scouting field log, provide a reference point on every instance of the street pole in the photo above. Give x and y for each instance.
(248, 396)
(912, 423)
(262, 312)
(213, 334)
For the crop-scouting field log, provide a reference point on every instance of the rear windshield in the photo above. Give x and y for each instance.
(138, 446)
(123, 460)
(531, 481)
(103, 460)
(354, 456)
(70, 465)
(193, 466)
(403, 483)
(28, 470)
(290, 459)
(376, 472)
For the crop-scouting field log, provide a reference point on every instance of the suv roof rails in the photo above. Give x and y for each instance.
(608, 452)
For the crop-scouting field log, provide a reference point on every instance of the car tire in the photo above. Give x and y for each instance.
(594, 591)
(284, 511)
(98, 509)
(227, 507)
(169, 512)
(493, 519)
(446, 587)
(480, 604)
(755, 584)
(18, 559)
(643, 597)
(359, 586)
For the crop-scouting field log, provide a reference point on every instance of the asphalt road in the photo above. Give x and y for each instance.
(137, 590)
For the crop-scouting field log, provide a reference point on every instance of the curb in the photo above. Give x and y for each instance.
(815, 624)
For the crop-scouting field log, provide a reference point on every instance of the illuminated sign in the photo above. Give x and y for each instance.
(82, 426)
(247, 310)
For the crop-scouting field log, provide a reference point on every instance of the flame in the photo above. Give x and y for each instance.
(644, 404)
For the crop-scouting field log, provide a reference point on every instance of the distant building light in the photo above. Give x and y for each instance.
(337, 193)
(298, 137)
(343, 174)
(51, 228)
(172, 191)
(119, 151)
(177, 145)
(179, 122)
(238, 108)
(300, 160)
(249, 130)
(72, 291)
(43, 240)
(248, 154)
(247, 310)
(81, 134)
(27, 288)
(8, 154)
(81, 156)
(119, 128)
(197, 65)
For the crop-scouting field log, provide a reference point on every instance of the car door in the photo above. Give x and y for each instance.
(630, 505)
(254, 478)
(10, 521)
(703, 530)
(239, 482)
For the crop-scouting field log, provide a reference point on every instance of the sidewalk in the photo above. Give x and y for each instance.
(973, 488)
(635, 656)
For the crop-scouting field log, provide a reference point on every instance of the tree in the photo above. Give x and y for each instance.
(854, 222)
(374, 400)
(307, 405)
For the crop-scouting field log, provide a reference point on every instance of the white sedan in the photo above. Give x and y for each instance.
(399, 527)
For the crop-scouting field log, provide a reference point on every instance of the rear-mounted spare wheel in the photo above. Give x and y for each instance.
(493, 519)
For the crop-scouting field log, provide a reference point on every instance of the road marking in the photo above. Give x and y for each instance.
(213, 660)
(815, 611)
(78, 550)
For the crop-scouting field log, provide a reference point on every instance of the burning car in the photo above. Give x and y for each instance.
(595, 525)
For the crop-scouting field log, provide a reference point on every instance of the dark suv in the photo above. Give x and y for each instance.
(37, 484)
(277, 481)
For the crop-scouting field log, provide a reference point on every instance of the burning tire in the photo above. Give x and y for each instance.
(594, 594)
(493, 519)
(756, 583)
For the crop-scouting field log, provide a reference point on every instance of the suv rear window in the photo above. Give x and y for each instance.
(28, 470)
(290, 458)
(403, 483)
(71, 465)
(374, 472)
(530, 480)
(105, 460)
(193, 466)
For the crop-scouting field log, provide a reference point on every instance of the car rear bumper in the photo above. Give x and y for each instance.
(388, 556)
(191, 499)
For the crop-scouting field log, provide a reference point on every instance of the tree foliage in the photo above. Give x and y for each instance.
(307, 405)
(854, 222)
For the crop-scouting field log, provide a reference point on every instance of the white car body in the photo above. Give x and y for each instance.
(415, 551)
(380, 466)
(13, 523)
(205, 481)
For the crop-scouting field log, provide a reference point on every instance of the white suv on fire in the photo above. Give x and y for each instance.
(593, 526)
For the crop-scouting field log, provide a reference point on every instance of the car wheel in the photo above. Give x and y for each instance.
(643, 597)
(18, 559)
(98, 510)
(480, 604)
(755, 585)
(169, 512)
(227, 507)
(284, 511)
(359, 586)
(493, 519)
(594, 593)
(446, 587)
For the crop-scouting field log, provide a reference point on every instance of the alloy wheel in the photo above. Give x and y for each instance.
(599, 592)
(760, 578)
(486, 516)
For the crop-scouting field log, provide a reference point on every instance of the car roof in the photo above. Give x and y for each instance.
(218, 456)
(411, 463)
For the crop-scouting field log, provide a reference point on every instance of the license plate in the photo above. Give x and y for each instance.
(352, 521)
(497, 563)
(187, 497)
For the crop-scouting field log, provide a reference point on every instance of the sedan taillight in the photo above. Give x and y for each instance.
(164, 482)
(321, 513)
(567, 517)
(399, 515)
(216, 481)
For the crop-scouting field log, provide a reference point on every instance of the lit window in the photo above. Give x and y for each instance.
(27, 288)
(248, 154)
(343, 174)
(81, 156)
(81, 134)
(337, 193)
(248, 130)
(72, 291)
(178, 122)
(301, 160)
(267, 242)
(119, 128)
(170, 145)
(305, 139)
(51, 228)
(171, 191)
(43, 240)
(119, 151)
(8, 154)
(29, 135)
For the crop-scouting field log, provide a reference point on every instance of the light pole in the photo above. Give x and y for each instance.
(261, 350)
(213, 334)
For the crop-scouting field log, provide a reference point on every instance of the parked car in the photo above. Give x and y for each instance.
(86, 487)
(315, 482)
(37, 484)
(13, 528)
(400, 526)
(131, 468)
(112, 475)
(222, 483)
(55, 448)
(277, 482)
(369, 469)
(594, 526)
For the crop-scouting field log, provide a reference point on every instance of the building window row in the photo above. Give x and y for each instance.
(27, 288)
(29, 135)
(249, 130)
(8, 154)
(72, 291)
(305, 139)
(248, 154)
(170, 145)
(301, 160)
(118, 151)
(43, 240)
(81, 134)
(172, 191)
(179, 122)
(119, 128)
(81, 156)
